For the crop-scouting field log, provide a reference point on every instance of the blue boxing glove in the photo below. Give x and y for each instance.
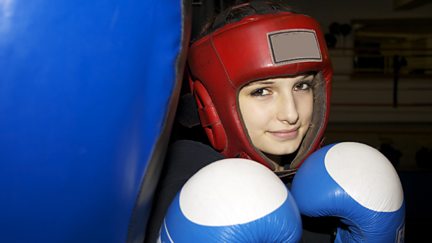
(232, 200)
(356, 183)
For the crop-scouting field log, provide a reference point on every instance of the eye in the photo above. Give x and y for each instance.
(305, 86)
(261, 92)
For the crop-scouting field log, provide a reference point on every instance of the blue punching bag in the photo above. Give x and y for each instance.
(88, 90)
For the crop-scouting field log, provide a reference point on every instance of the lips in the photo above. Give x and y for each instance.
(284, 134)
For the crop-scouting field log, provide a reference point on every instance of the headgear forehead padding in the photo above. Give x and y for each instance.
(254, 48)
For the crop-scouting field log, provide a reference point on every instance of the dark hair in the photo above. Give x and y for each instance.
(237, 12)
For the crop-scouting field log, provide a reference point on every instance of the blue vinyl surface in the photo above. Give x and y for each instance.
(84, 88)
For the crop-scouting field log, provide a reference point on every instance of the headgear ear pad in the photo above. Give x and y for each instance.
(209, 117)
(257, 47)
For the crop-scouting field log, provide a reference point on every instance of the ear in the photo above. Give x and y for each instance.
(209, 117)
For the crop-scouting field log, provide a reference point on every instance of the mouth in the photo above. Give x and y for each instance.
(284, 134)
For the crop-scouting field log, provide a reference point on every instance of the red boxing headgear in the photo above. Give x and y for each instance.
(257, 47)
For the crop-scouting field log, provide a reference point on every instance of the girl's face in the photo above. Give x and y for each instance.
(277, 112)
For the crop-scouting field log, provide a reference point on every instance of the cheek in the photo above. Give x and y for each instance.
(254, 114)
(305, 108)
(245, 110)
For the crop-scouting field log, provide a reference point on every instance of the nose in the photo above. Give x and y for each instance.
(287, 109)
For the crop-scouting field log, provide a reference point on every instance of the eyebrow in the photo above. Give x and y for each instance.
(309, 76)
(265, 82)
(268, 82)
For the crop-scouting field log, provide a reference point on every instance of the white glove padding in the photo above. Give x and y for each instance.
(357, 183)
(232, 200)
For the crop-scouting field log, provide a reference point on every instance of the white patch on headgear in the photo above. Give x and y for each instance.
(293, 46)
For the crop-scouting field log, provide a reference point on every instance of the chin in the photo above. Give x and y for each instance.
(279, 148)
(281, 152)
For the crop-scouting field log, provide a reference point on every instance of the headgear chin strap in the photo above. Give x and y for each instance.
(257, 47)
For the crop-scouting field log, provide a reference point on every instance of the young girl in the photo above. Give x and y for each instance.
(260, 75)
